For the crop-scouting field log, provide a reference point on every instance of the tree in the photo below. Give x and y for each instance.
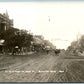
(14, 37)
(9, 37)
(24, 39)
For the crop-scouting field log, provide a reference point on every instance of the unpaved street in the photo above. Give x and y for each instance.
(41, 67)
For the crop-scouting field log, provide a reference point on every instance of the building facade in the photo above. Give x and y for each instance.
(5, 22)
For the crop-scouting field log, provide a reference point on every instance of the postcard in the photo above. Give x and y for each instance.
(42, 41)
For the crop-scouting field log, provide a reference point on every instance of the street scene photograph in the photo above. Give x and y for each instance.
(42, 41)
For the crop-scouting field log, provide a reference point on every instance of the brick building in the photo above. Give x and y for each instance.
(5, 22)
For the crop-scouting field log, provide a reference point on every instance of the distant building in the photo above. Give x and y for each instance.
(38, 39)
(39, 36)
(5, 22)
(48, 44)
(78, 36)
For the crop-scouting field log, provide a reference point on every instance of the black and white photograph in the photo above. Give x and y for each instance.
(42, 41)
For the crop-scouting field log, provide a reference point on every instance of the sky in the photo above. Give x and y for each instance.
(53, 20)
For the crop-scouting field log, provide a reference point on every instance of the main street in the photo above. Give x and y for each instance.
(41, 67)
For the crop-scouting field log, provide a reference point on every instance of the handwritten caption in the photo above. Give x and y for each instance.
(32, 71)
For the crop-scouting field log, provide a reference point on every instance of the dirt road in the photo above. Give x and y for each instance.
(41, 67)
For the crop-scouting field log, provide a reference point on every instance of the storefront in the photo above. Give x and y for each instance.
(1, 46)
